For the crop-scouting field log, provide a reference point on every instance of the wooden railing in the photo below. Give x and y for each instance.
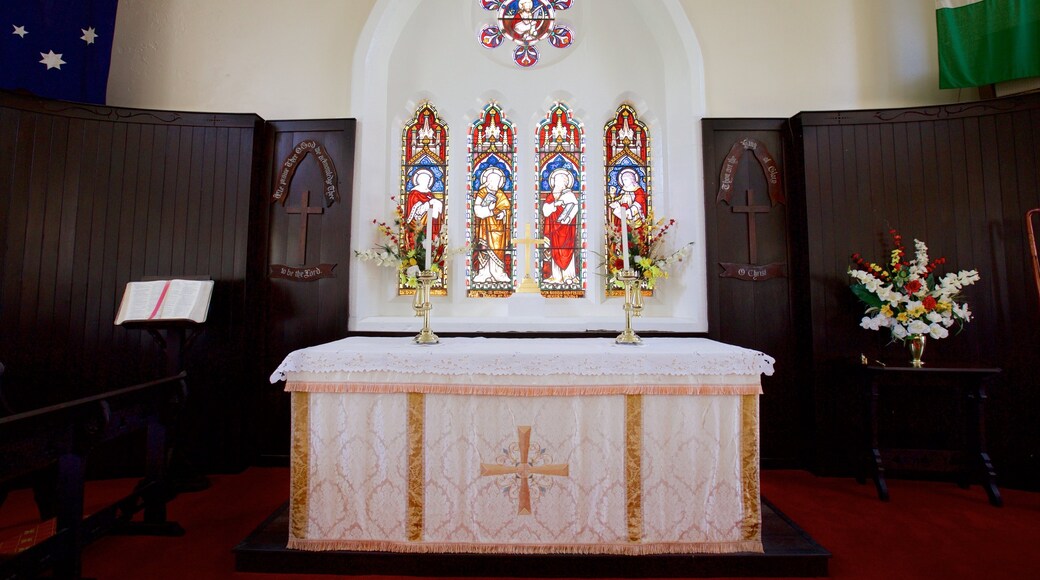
(64, 435)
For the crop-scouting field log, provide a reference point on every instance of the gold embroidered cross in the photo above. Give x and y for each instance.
(524, 470)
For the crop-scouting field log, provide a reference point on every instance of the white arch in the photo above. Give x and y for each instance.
(644, 52)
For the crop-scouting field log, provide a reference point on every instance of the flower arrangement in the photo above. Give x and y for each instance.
(392, 250)
(646, 254)
(907, 296)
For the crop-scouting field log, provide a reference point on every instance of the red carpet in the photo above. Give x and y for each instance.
(928, 530)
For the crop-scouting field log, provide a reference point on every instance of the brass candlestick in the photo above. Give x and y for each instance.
(422, 307)
(633, 305)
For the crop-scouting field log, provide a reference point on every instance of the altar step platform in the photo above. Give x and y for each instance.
(788, 552)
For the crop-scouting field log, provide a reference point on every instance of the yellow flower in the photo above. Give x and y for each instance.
(917, 312)
(902, 317)
(886, 311)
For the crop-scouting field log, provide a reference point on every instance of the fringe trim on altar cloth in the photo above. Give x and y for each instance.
(521, 391)
(753, 546)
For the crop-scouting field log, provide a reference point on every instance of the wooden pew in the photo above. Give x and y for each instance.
(64, 435)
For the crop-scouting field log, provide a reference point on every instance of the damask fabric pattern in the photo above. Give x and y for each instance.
(698, 491)
(586, 465)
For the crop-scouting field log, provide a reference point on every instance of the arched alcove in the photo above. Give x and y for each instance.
(644, 53)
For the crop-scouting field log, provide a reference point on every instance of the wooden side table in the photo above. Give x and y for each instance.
(968, 383)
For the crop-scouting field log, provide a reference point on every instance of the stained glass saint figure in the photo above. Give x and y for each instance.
(626, 160)
(561, 204)
(491, 224)
(424, 175)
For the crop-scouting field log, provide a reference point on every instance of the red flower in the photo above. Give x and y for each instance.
(928, 303)
(913, 286)
(619, 264)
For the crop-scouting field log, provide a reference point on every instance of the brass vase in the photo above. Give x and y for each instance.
(917, 342)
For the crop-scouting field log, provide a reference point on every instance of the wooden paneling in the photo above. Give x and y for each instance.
(960, 178)
(299, 314)
(94, 197)
(755, 314)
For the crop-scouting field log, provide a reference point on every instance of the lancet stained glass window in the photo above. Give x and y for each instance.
(424, 179)
(490, 205)
(626, 160)
(560, 156)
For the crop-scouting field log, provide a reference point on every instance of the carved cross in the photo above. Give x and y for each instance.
(524, 470)
(751, 209)
(305, 211)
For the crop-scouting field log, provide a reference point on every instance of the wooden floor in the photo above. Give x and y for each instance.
(789, 552)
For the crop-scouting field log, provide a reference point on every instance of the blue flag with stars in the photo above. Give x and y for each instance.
(58, 49)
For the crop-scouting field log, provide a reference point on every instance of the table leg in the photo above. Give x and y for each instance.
(875, 452)
(989, 474)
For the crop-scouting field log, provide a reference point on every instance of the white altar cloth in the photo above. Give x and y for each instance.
(525, 446)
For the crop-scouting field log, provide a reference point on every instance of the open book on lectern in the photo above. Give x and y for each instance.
(165, 300)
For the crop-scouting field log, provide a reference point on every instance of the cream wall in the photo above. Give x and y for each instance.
(293, 59)
(281, 59)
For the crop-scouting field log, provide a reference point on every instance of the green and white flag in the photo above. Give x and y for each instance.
(982, 42)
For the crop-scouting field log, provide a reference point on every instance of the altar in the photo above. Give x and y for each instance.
(525, 446)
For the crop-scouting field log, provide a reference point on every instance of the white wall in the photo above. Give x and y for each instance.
(277, 58)
(287, 60)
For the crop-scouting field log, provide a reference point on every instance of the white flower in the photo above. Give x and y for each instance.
(967, 277)
(412, 272)
(937, 331)
(893, 297)
(898, 332)
(874, 323)
(913, 305)
(918, 327)
(934, 316)
(962, 312)
(919, 265)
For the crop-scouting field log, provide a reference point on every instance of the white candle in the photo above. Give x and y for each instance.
(429, 237)
(624, 242)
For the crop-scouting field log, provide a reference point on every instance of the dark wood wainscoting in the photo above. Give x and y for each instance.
(94, 197)
(960, 178)
(301, 313)
(745, 310)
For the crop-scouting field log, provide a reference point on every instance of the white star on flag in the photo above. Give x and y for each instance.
(52, 60)
(20, 30)
(88, 35)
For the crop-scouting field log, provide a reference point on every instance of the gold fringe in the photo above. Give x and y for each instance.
(464, 548)
(752, 498)
(521, 391)
(634, 466)
(299, 467)
(416, 467)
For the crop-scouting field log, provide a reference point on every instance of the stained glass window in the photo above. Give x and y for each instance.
(525, 23)
(490, 204)
(626, 160)
(560, 156)
(424, 177)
